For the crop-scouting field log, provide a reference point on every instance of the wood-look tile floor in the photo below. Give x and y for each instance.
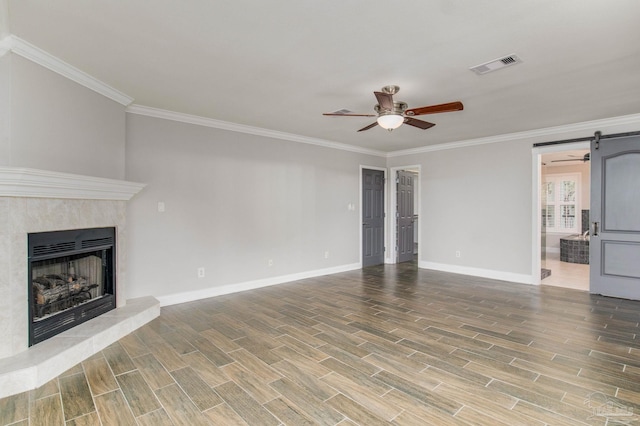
(385, 345)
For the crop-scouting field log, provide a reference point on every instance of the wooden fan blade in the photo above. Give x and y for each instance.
(418, 123)
(434, 109)
(339, 114)
(370, 126)
(385, 100)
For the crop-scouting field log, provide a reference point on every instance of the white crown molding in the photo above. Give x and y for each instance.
(22, 182)
(632, 119)
(23, 48)
(40, 57)
(241, 128)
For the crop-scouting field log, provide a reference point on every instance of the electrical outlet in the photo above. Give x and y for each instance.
(457, 253)
(161, 207)
(270, 262)
(200, 272)
(326, 254)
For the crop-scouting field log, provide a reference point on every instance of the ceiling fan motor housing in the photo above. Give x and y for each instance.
(398, 109)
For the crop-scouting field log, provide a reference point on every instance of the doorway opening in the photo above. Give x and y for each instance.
(562, 228)
(404, 201)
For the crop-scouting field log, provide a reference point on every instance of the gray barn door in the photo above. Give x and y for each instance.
(372, 217)
(615, 218)
(404, 238)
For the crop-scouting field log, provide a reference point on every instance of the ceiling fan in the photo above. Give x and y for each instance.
(392, 114)
(584, 159)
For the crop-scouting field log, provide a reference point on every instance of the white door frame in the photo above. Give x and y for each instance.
(391, 255)
(536, 218)
(386, 228)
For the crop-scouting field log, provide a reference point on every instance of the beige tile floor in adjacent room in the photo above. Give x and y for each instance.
(564, 274)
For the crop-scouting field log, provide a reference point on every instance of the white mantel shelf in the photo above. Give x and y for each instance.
(23, 182)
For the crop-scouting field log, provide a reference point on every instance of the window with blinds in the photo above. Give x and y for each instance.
(560, 203)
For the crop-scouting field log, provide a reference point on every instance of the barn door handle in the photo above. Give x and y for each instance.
(365, 224)
(596, 226)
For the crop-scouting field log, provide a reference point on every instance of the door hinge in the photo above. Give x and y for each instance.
(597, 139)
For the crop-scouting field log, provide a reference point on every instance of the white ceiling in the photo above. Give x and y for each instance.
(280, 64)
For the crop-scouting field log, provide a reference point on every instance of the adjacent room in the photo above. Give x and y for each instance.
(336, 213)
(565, 195)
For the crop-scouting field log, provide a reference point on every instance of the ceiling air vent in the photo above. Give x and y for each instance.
(496, 64)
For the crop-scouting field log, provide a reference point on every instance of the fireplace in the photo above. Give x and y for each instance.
(40, 202)
(71, 279)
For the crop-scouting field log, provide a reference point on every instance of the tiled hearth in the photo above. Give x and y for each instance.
(40, 201)
(40, 363)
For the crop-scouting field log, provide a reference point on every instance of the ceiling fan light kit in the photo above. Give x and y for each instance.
(392, 115)
(390, 121)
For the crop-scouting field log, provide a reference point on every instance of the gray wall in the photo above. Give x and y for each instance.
(476, 200)
(479, 199)
(60, 126)
(233, 202)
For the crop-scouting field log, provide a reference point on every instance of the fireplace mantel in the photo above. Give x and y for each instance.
(33, 201)
(33, 183)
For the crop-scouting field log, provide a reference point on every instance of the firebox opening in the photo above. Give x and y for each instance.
(71, 279)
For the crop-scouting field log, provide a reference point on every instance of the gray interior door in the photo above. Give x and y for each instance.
(615, 217)
(372, 217)
(405, 219)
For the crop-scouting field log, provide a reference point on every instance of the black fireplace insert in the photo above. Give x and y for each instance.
(71, 279)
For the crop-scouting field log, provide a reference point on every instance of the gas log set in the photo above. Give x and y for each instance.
(54, 292)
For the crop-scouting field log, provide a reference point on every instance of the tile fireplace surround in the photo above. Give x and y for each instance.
(39, 201)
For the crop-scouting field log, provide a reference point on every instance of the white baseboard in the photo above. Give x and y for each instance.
(478, 272)
(190, 296)
(552, 249)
